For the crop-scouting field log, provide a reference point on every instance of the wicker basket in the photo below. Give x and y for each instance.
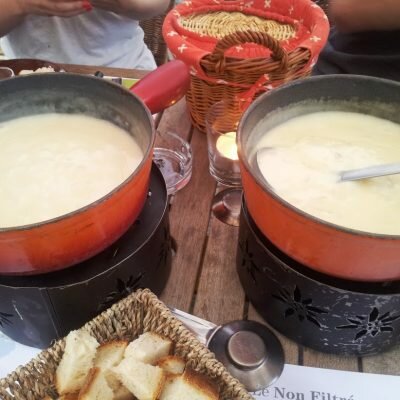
(140, 312)
(153, 36)
(239, 49)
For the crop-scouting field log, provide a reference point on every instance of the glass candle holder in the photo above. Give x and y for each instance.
(173, 156)
(221, 124)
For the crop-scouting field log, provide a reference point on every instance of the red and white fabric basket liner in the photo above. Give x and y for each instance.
(307, 18)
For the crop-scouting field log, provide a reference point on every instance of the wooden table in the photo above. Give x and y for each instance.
(203, 280)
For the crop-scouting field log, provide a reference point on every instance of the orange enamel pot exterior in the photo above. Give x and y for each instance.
(74, 237)
(71, 238)
(325, 247)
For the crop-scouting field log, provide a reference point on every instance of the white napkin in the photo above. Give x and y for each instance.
(13, 354)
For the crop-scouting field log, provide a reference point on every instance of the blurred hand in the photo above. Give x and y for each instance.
(113, 5)
(59, 8)
(138, 9)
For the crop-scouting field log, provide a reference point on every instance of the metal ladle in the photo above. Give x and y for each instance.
(374, 171)
(370, 172)
(249, 350)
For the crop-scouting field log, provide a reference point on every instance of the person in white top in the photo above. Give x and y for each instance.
(99, 32)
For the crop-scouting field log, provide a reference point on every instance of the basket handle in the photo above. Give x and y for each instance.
(237, 38)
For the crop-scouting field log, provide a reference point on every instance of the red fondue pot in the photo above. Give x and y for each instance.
(69, 239)
(326, 247)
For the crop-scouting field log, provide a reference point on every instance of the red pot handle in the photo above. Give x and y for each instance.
(163, 87)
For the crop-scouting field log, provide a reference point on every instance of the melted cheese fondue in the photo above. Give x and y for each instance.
(52, 164)
(307, 153)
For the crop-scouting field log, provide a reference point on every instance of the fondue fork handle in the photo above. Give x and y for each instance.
(163, 87)
(370, 172)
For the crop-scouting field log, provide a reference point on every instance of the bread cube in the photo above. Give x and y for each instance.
(77, 360)
(172, 364)
(143, 380)
(96, 387)
(190, 385)
(110, 354)
(149, 348)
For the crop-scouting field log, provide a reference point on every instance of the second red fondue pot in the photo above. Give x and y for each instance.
(74, 237)
(328, 248)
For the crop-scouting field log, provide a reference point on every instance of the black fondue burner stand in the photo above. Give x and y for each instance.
(313, 309)
(37, 309)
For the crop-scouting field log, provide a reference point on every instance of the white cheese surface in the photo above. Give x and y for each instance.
(52, 164)
(306, 154)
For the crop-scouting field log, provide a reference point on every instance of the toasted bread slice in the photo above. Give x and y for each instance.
(190, 385)
(110, 354)
(120, 391)
(172, 364)
(96, 387)
(77, 360)
(149, 348)
(143, 380)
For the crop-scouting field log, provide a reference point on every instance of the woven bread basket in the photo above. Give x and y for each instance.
(139, 312)
(241, 48)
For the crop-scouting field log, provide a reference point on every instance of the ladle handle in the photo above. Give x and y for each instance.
(370, 172)
(163, 87)
(201, 328)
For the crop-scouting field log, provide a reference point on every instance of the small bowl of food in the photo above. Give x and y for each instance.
(26, 66)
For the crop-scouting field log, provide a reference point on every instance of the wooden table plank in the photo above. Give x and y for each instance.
(78, 69)
(108, 71)
(177, 120)
(220, 297)
(385, 363)
(313, 358)
(189, 218)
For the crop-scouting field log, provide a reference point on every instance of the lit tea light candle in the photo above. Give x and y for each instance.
(226, 145)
